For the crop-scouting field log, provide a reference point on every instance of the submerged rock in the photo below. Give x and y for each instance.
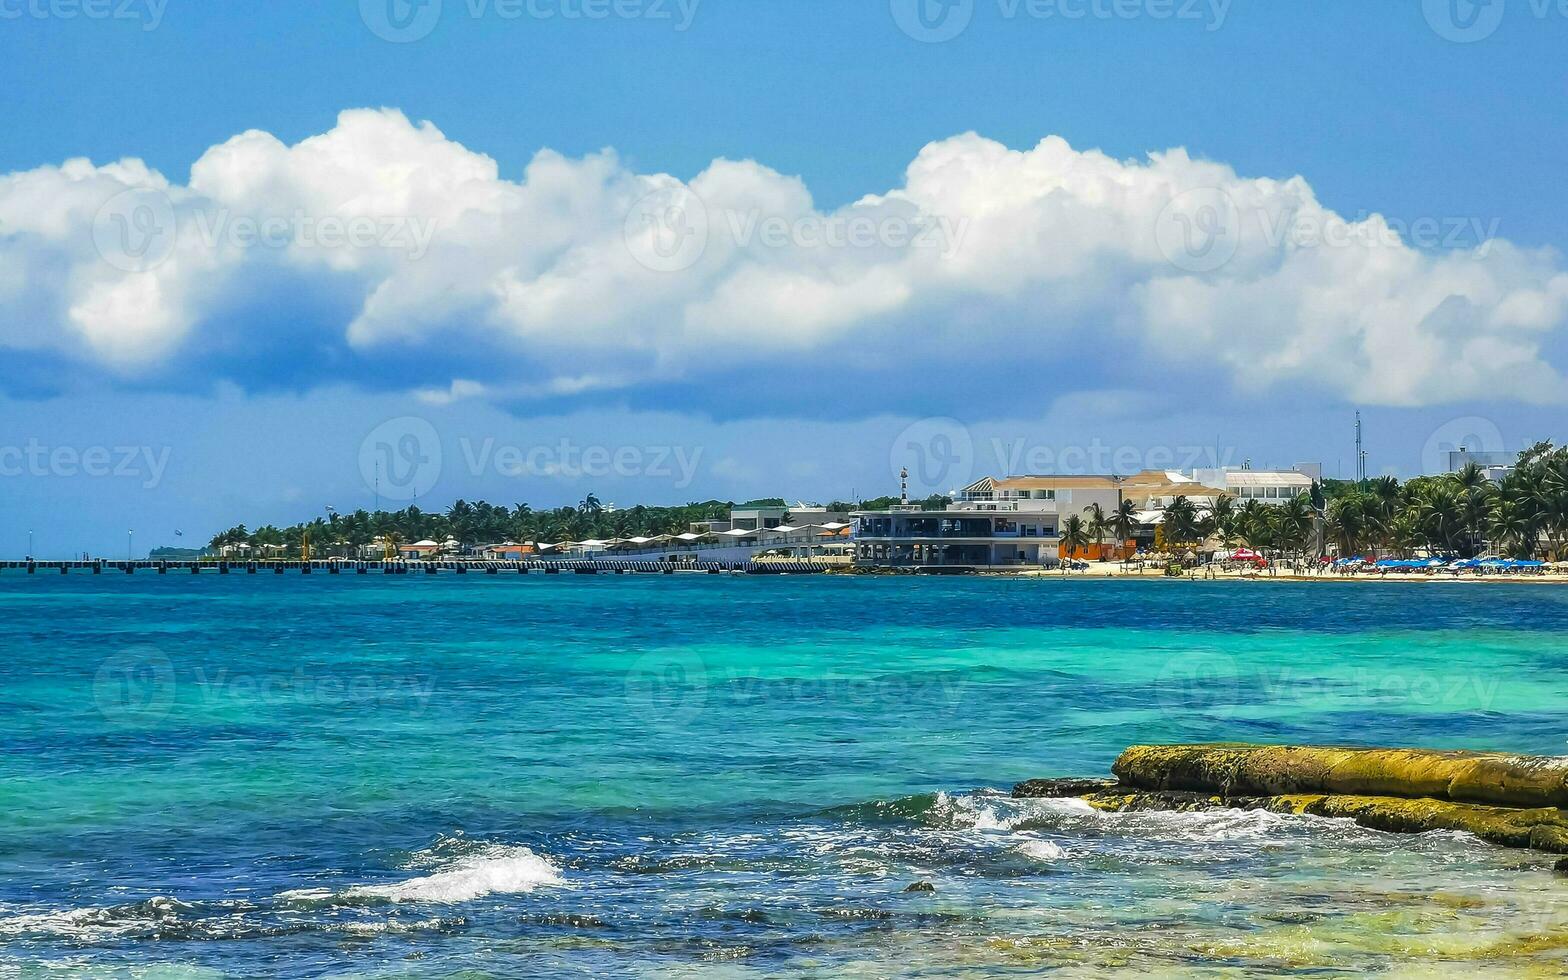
(1060, 788)
(921, 886)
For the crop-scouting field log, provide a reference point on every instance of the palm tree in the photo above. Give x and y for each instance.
(1074, 536)
(1252, 524)
(1181, 522)
(1510, 527)
(1347, 523)
(1295, 520)
(1386, 502)
(1123, 521)
(1099, 525)
(1223, 515)
(1439, 515)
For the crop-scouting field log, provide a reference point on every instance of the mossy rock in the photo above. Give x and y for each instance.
(1252, 770)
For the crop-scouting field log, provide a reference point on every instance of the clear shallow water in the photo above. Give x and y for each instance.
(714, 776)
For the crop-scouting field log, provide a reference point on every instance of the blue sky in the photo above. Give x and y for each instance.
(260, 379)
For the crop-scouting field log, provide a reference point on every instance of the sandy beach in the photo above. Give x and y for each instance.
(1151, 570)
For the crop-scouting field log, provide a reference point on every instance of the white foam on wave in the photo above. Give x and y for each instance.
(997, 819)
(493, 869)
(1041, 850)
(91, 924)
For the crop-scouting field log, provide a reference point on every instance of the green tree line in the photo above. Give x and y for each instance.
(1463, 513)
(485, 523)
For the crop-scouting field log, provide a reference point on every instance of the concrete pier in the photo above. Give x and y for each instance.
(587, 566)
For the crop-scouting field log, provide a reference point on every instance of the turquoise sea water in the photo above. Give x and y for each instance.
(731, 776)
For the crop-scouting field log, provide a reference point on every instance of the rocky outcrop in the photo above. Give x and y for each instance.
(1510, 800)
(1492, 778)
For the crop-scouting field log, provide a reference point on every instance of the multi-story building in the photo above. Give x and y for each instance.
(1265, 486)
(993, 522)
(1496, 465)
(1152, 491)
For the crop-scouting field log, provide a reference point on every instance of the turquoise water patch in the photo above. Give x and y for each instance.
(722, 776)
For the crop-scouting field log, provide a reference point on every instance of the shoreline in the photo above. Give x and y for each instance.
(1113, 570)
(1099, 571)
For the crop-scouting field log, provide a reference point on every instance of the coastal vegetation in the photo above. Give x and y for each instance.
(484, 523)
(1462, 513)
(1523, 515)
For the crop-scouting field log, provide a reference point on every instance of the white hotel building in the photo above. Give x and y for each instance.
(1011, 521)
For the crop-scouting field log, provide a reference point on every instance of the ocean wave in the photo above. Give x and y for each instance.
(477, 870)
(1054, 829)
(1041, 850)
(97, 923)
(492, 869)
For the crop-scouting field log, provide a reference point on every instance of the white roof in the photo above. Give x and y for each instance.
(688, 536)
(834, 526)
(737, 532)
(1150, 517)
(427, 543)
(1267, 478)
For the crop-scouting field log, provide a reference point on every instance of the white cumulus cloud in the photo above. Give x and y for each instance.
(384, 253)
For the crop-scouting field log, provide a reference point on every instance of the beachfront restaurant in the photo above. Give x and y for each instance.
(993, 523)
